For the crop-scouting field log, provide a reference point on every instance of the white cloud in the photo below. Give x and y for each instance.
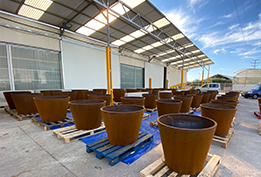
(198, 3)
(216, 51)
(251, 52)
(223, 50)
(233, 26)
(228, 15)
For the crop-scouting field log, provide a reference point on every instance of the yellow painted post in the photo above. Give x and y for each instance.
(167, 84)
(109, 72)
(150, 83)
(181, 87)
(208, 77)
(202, 82)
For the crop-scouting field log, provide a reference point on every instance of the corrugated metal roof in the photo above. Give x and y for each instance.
(126, 21)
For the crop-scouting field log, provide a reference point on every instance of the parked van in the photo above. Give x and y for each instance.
(209, 86)
(255, 92)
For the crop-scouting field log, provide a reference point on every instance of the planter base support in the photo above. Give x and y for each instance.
(115, 153)
(71, 133)
(19, 117)
(224, 139)
(150, 110)
(259, 128)
(159, 168)
(257, 114)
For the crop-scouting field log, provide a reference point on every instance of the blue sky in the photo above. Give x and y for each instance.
(227, 31)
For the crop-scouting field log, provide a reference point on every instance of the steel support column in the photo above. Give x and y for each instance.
(208, 73)
(181, 87)
(150, 83)
(202, 81)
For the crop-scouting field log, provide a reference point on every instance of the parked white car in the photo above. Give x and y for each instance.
(209, 86)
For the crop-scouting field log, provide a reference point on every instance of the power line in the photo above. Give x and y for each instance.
(255, 63)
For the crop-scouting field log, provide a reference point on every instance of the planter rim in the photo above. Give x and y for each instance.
(50, 97)
(133, 97)
(183, 96)
(169, 101)
(231, 101)
(228, 95)
(86, 102)
(99, 95)
(187, 129)
(29, 93)
(150, 94)
(218, 106)
(206, 93)
(125, 105)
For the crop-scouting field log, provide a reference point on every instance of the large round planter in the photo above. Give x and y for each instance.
(150, 91)
(106, 97)
(178, 93)
(52, 108)
(168, 106)
(155, 91)
(141, 89)
(81, 94)
(150, 100)
(49, 92)
(24, 102)
(194, 91)
(118, 90)
(117, 94)
(133, 100)
(221, 113)
(132, 90)
(72, 95)
(165, 95)
(197, 98)
(104, 91)
(233, 93)
(212, 95)
(186, 92)
(9, 99)
(186, 140)
(93, 92)
(122, 123)
(206, 96)
(86, 113)
(228, 97)
(186, 99)
(229, 102)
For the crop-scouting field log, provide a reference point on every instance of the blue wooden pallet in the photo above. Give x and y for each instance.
(116, 153)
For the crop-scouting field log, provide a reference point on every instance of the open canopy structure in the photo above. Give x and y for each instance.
(135, 25)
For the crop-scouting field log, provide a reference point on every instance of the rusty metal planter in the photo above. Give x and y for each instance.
(150, 100)
(133, 100)
(9, 99)
(186, 102)
(168, 106)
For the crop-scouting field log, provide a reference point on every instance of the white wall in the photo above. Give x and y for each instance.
(131, 61)
(85, 67)
(156, 72)
(174, 76)
(241, 87)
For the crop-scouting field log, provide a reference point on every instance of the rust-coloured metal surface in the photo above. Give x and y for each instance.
(186, 140)
(49, 92)
(24, 102)
(206, 96)
(187, 92)
(52, 108)
(156, 91)
(122, 123)
(194, 92)
(186, 102)
(117, 94)
(178, 93)
(81, 94)
(9, 99)
(72, 95)
(93, 92)
(233, 93)
(150, 91)
(212, 95)
(133, 100)
(221, 113)
(168, 106)
(132, 90)
(106, 97)
(150, 100)
(165, 95)
(104, 91)
(87, 113)
(197, 99)
(228, 97)
(229, 102)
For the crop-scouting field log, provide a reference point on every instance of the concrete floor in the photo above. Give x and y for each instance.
(27, 150)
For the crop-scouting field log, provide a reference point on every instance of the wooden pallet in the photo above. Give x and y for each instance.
(146, 116)
(47, 125)
(233, 122)
(116, 103)
(224, 139)
(150, 110)
(71, 133)
(257, 114)
(259, 128)
(116, 153)
(159, 168)
(195, 109)
(154, 123)
(19, 117)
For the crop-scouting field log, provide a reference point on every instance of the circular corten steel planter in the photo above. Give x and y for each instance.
(212, 95)
(72, 95)
(86, 113)
(106, 97)
(150, 100)
(228, 97)
(186, 99)
(104, 91)
(221, 113)
(117, 94)
(9, 99)
(186, 140)
(118, 90)
(156, 91)
(93, 92)
(233, 94)
(228, 102)
(150, 91)
(178, 93)
(122, 123)
(165, 95)
(193, 91)
(206, 96)
(186, 92)
(81, 94)
(141, 89)
(168, 106)
(132, 90)
(49, 92)
(197, 98)
(133, 100)
(24, 102)
(52, 108)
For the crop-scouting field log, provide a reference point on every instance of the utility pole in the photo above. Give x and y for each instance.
(255, 63)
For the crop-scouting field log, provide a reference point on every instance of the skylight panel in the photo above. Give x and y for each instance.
(133, 3)
(127, 38)
(200, 56)
(86, 31)
(148, 47)
(178, 36)
(139, 50)
(94, 24)
(190, 45)
(161, 22)
(137, 34)
(196, 51)
(118, 42)
(30, 12)
(119, 8)
(156, 44)
(101, 18)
